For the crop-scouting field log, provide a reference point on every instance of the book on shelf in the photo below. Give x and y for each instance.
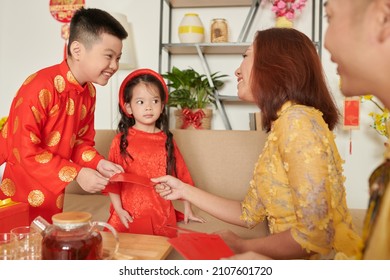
(255, 121)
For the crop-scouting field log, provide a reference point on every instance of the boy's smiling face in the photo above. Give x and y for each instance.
(98, 62)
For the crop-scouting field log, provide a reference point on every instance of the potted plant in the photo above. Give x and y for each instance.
(192, 94)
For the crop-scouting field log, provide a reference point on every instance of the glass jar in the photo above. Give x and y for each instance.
(191, 29)
(219, 31)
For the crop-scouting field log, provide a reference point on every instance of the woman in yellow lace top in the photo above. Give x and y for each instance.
(298, 182)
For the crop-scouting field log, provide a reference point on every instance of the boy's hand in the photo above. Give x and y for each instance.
(90, 180)
(108, 168)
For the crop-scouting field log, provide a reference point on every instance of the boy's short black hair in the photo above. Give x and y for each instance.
(87, 25)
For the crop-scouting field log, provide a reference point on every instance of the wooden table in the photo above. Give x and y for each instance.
(138, 246)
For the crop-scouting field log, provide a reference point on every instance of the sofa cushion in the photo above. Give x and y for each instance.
(221, 161)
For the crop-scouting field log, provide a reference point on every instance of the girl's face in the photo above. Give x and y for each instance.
(243, 74)
(146, 106)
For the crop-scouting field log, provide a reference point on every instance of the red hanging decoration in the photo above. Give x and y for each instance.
(63, 11)
(351, 116)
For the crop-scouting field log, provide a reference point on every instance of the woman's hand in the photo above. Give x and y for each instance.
(232, 240)
(169, 187)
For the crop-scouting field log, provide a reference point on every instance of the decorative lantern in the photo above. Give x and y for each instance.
(63, 11)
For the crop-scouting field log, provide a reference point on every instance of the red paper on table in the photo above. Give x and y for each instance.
(132, 178)
(201, 246)
(13, 214)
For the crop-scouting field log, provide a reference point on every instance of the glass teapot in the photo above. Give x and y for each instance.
(73, 236)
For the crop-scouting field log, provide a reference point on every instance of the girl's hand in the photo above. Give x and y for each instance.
(189, 214)
(194, 218)
(124, 216)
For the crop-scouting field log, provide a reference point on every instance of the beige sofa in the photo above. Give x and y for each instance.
(220, 161)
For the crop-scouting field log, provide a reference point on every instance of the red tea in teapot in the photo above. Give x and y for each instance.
(72, 247)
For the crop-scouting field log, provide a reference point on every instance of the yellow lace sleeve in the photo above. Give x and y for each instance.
(314, 173)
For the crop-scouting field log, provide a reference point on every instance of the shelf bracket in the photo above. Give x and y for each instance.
(248, 21)
(219, 104)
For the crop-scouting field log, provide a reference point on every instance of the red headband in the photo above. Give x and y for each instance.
(137, 73)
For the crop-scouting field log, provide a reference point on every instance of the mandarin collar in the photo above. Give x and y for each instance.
(72, 83)
(135, 130)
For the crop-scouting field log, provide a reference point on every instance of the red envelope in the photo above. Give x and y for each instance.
(201, 246)
(13, 214)
(132, 178)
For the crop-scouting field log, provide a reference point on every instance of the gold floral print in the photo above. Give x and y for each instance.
(88, 155)
(72, 140)
(78, 142)
(54, 110)
(92, 91)
(53, 139)
(34, 138)
(44, 157)
(44, 98)
(30, 78)
(60, 201)
(59, 83)
(83, 112)
(83, 131)
(8, 187)
(36, 198)
(4, 131)
(71, 78)
(67, 174)
(70, 107)
(16, 154)
(19, 102)
(16, 125)
(37, 114)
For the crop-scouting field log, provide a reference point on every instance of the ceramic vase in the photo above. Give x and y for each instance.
(283, 22)
(191, 29)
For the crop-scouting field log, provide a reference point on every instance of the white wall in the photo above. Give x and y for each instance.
(30, 39)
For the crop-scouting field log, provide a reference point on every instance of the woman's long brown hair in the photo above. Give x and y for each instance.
(287, 67)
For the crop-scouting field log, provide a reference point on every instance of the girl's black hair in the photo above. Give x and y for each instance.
(127, 122)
